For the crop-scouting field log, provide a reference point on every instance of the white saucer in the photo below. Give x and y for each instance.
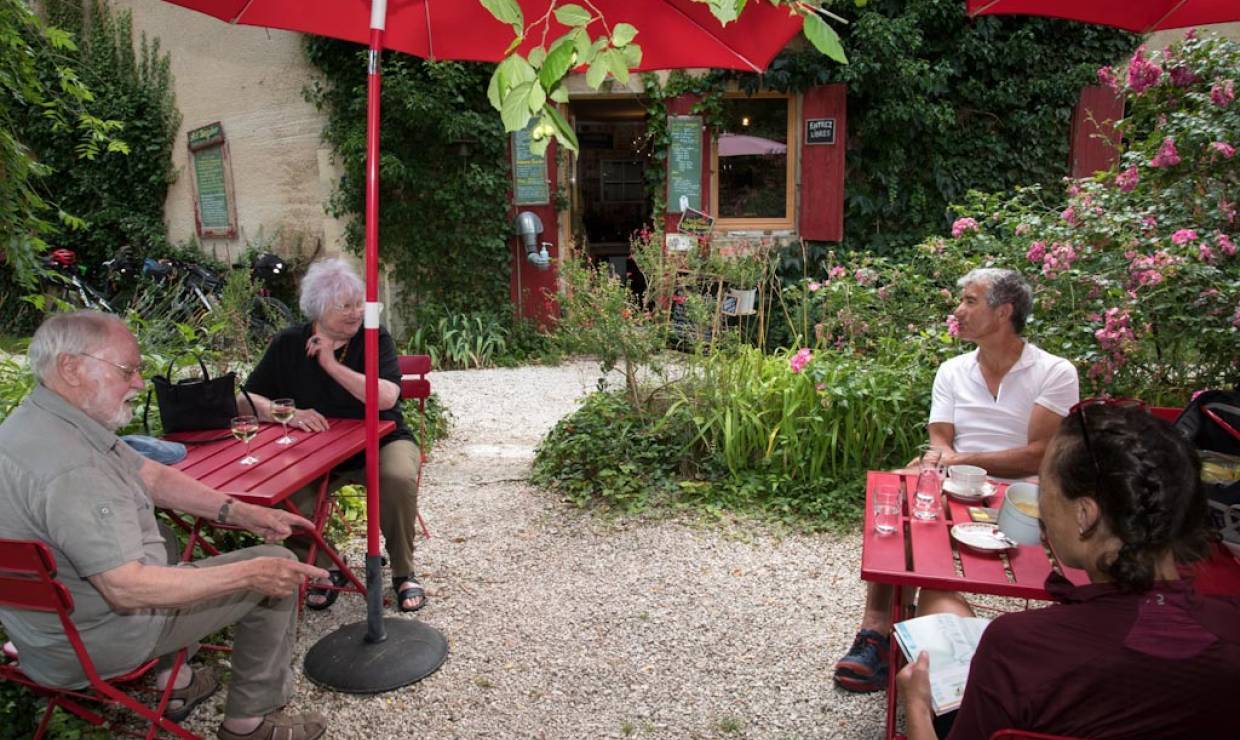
(988, 489)
(979, 536)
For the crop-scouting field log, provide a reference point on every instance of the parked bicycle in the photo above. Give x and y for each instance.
(64, 284)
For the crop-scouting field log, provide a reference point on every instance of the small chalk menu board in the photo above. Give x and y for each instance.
(684, 162)
(212, 181)
(530, 185)
(820, 131)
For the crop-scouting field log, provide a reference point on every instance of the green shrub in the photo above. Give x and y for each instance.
(460, 340)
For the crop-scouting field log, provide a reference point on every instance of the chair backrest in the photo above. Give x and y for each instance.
(1011, 734)
(28, 578)
(28, 582)
(1166, 413)
(413, 383)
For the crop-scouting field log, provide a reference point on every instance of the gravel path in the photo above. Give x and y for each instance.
(565, 624)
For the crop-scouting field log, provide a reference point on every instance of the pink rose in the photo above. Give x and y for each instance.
(1227, 150)
(800, 359)
(1142, 73)
(814, 286)
(1023, 228)
(1223, 92)
(1069, 215)
(865, 276)
(837, 272)
(1183, 236)
(1127, 180)
(883, 294)
(1036, 252)
(1224, 244)
(1058, 259)
(1182, 76)
(1235, 319)
(953, 325)
(1167, 156)
(963, 225)
(1108, 78)
(1204, 253)
(1149, 223)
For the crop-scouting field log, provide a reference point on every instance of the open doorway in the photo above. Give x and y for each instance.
(611, 181)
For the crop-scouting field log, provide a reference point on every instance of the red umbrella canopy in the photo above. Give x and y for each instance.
(674, 34)
(1140, 16)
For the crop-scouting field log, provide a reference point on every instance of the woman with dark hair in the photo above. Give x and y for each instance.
(1136, 653)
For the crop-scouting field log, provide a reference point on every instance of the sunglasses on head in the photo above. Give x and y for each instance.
(1079, 410)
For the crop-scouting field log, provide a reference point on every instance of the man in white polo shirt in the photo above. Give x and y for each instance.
(996, 407)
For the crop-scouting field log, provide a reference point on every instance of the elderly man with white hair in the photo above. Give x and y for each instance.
(996, 407)
(67, 480)
(320, 365)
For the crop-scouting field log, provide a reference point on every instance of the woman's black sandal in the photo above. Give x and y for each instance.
(412, 592)
(329, 595)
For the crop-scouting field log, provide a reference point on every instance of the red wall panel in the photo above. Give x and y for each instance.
(822, 166)
(1095, 142)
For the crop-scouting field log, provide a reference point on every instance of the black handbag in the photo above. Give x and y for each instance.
(193, 404)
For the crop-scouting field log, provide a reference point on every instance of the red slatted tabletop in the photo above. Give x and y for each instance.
(281, 471)
(923, 554)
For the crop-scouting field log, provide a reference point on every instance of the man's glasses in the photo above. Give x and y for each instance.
(1079, 410)
(129, 370)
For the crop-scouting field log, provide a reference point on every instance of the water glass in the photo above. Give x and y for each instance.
(929, 486)
(886, 508)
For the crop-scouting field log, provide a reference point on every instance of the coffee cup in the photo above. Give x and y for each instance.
(967, 479)
(1018, 517)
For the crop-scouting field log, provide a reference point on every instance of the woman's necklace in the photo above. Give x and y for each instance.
(340, 353)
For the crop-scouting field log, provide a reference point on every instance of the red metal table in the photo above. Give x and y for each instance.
(281, 471)
(923, 554)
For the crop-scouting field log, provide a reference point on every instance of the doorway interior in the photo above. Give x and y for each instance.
(611, 201)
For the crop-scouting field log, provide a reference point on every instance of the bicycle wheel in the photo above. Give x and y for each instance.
(267, 317)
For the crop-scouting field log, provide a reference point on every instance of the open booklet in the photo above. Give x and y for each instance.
(951, 641)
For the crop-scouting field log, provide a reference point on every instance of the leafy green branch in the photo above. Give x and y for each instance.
(523, 87)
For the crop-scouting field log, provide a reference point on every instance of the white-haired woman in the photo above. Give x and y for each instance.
(320, 366)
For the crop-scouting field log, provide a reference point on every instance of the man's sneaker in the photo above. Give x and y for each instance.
(864, 668)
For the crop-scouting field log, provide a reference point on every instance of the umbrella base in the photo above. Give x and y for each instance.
(345, 661)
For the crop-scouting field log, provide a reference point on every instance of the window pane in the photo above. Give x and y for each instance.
(753, 158)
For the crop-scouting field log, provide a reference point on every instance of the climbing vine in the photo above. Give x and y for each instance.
(443, 193)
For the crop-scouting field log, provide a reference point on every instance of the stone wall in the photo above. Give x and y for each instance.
(251, 80)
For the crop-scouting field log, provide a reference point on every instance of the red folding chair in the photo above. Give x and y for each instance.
(414, 385)
(28, 583)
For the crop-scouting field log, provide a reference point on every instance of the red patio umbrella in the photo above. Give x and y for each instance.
(1139, 16)
(672, 34)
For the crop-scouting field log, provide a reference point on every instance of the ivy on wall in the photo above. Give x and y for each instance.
(939, 104)
(443, 174)
(120, 196)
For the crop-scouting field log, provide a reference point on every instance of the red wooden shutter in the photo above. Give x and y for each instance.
(824, 115)
(1095, 141)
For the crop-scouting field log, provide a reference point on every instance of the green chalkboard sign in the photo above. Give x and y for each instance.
(684, 162)
(530, 184)
(213, 213)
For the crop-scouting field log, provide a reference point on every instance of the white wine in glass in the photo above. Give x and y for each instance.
(282, 410)
(244, 428)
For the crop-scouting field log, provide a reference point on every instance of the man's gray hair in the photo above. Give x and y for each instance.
(72, 333)
(1003, 286)
(328, 281)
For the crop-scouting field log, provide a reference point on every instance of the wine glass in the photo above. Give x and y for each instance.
(244, 428)
(282, 410)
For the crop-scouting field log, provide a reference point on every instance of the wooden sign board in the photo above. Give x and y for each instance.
(214, 210)
(820, 131)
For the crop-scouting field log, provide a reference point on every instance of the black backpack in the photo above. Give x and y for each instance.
(1211, 421)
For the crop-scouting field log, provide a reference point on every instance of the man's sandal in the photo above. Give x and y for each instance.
(329, 595)
(281, 726)
(411, 592)
(202, 684)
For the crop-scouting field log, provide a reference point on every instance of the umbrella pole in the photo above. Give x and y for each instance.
(380, 654)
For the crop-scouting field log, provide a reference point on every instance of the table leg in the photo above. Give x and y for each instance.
(895, 661)
(322, 511)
